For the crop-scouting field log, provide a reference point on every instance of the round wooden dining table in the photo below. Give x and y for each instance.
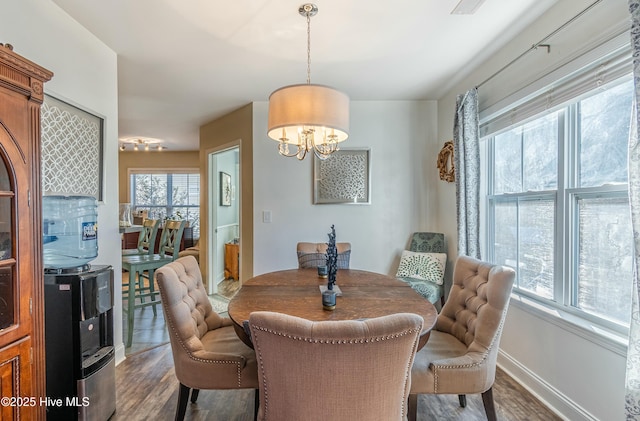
(297, 292)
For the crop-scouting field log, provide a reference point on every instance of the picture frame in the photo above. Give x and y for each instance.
(343, 178)
(72, 149)
(225, 189)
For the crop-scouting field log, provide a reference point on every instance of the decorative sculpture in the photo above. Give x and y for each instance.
(332, 258)
(329, 296)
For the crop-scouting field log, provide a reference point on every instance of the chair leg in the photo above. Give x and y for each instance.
(194, 395)
(489, 407)
(183, 397)
(412, 408)
(152, 289)
(131, 297)
(463, 400)
(140, 289)
(256, 400)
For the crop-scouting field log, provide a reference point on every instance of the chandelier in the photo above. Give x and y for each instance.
(308, 117)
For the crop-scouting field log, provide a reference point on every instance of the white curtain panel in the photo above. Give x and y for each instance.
(466, 152)
(632, 398)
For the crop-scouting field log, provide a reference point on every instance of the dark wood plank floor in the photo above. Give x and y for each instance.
(147, 388)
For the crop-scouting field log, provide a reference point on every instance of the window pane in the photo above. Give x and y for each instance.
(507, 169)
(194, 190)
(540, 158)
(604, 123)
(159, 191)
(179, 191)
(524, 233)
(149, 189)
(7, 299)
(168, 196)
(192, 215)
(506, 234)
(5, 182)
(535, 252)
(605, 257)
(526, 157)
(6, 228)
(185, 189)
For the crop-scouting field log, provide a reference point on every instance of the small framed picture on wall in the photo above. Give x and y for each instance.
(225, 189)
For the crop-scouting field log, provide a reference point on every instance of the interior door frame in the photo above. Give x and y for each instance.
(212, 206)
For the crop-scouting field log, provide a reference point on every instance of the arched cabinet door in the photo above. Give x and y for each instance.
(22, 370)
(16, 250)
(16, 278)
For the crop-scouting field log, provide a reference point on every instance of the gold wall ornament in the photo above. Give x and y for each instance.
(446, 164)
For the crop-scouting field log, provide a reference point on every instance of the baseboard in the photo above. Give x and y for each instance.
(120, 353)
(552, 398)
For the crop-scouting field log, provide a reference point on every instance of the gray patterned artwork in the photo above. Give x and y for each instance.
(343, 177)
(71, 150)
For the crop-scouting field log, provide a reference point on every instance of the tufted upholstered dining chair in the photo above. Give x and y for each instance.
(460, 356)
(312, 255)
(431, 285)
(207, 353)
(334, 370)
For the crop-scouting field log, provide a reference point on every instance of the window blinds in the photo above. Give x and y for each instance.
(603, 65)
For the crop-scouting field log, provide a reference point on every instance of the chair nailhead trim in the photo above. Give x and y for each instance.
(336, 341)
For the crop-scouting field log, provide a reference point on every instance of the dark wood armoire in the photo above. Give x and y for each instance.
(22, 350)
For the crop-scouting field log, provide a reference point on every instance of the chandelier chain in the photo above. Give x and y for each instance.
(308, 48)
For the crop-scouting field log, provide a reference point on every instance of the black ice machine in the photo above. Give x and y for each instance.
(80, 356)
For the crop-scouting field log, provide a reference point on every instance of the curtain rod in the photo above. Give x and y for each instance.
(540, 43)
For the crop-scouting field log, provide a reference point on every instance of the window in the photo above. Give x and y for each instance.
(557, 205)
(168, 195)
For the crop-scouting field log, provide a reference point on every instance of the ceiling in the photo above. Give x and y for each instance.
(183, 63)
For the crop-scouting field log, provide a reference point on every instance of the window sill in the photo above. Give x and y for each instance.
(608, 339)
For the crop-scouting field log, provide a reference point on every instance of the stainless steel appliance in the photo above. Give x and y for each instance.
(80, 356)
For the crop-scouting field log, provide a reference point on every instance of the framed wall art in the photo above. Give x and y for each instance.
(225, 189)
(72, 149)
(343, 178)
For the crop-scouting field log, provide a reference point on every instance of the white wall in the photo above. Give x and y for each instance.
(85, 74)
(578, 377)
(400, 135)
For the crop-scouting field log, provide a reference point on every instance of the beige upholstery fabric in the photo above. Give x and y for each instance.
(207, 353)
(460, 356)
(334, 370)
(321, 247)
(191, 251)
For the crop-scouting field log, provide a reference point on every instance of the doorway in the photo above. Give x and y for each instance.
(223, 255)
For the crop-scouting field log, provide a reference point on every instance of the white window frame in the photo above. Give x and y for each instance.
(560, 310)
(162, 171)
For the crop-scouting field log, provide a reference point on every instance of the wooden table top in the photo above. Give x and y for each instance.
(296, 292)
